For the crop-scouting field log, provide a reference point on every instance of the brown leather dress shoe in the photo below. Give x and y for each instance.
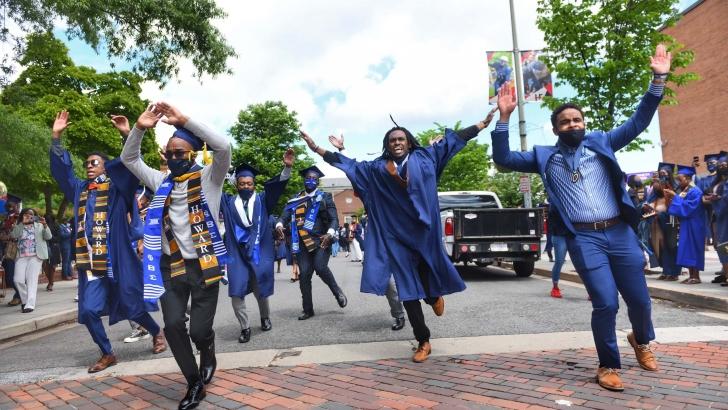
(159, 344)
(609, 379)
(14, 302)
(645, 356)
(422, 353)
(439, 306)
(104, 362)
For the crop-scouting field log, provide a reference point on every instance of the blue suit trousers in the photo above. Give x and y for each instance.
(611, 261)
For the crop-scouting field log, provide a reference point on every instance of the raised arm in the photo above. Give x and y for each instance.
(502, 154)
(640, 120)
(216, 142)
(60, 159)
(275, 186)
(131, 154)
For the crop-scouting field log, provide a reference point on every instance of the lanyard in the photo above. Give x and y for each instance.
(574, 166)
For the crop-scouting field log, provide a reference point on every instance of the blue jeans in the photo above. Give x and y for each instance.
(335, 248)
(610, 261)
(9, 267)
(559, 243)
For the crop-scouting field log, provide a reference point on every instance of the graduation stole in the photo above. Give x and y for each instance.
(303, 219)
(242, 233)
(208, 244)
(94, 258)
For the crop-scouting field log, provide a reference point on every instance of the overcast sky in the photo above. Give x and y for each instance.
(345, 66)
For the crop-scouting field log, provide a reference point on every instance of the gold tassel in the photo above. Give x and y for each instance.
(206, 157)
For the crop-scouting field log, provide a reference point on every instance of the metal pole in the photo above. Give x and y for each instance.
(521, 102)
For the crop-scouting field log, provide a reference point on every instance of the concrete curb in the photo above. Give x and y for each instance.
(696, 300)
(39, 323)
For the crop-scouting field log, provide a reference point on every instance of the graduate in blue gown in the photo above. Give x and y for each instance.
(249, 240)
(688, 207)
(717, 196)
(705, 182)
(403, 240)
(117, 289)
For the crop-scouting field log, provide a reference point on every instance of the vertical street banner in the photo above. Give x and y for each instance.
(536, 76)
(500, 64)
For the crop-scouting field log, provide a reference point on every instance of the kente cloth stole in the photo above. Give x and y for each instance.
(94, 257)
(208, 243)
(304, 211)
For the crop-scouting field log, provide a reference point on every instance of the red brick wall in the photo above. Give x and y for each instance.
(697, 125)
(347, 204)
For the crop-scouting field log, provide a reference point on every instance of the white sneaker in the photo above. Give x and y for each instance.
(137, 335)
(75, 298)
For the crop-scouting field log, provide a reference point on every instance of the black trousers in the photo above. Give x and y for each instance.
(414, 308)
(318, 261)
(202, 315)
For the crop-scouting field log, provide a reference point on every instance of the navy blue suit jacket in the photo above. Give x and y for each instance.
(603, 143)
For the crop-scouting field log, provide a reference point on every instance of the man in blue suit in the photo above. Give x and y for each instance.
(584, 183)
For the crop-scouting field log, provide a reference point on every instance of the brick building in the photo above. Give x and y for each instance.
(698, 124)
(347, 203)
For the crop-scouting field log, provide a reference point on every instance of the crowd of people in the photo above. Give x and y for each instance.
(145, 237)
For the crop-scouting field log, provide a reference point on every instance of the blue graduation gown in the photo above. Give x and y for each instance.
(404, 226)
(691, 245)
(126, 288)
(720, 210)
(240, 262)
(704, 183)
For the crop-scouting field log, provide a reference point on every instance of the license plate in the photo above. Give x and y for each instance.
(499, 247)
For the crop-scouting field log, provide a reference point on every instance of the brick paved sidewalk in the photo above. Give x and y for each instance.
(692, 375)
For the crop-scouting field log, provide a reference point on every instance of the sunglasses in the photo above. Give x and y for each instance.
(179, 154)
(92, 162)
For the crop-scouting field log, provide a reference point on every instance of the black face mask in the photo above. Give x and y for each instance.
(179, 167)
(572, 138)
(245, 194)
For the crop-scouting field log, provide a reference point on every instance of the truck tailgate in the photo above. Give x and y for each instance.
(497, 223)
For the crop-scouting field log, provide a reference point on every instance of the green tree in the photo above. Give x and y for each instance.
(602, 49)
(506, 185)
(153, 35)
(263, 132)
(49, 83)
(466, 171)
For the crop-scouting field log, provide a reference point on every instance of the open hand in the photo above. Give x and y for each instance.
(660, 62)
(60, 124)
(172, 114)
(506, 101)
(288, 157)
(122, 124)
(149, 118)
(337, 142)
(326, 241)
(436, 139)
(489, 117)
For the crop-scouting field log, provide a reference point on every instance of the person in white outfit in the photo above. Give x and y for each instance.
(31, 233)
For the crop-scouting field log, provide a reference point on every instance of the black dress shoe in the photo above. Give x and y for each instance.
(244, 336)
(208, 363)
(398, 323)
(305, 316)
(719, 279)
(195, 394)
(341, 299)
(265, 324)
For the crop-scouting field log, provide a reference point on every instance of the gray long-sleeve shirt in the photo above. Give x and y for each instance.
(213, 177)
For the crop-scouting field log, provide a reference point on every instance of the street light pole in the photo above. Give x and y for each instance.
(521, 102)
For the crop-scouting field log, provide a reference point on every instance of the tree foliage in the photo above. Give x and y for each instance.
(263, 132)
(153, 35)
(49, 83)
(466, 171)
(602, 49)
(506, 185)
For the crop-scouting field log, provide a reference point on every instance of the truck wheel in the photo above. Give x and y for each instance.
(523, 269)
(482, 264)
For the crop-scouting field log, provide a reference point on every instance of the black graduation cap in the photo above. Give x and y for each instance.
(313, 169)
(670, 168)
(688, 171)
(14, 199)
(711, 157)
(245, 170)
(723, 156)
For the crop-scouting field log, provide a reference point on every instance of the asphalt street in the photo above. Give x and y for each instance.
(495, 302)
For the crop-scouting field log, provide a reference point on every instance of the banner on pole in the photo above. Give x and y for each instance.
(500, 64)
(536, 76)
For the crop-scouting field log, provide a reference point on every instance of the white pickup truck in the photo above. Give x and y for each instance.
(476, 228)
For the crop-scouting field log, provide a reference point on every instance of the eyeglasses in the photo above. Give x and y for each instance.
(92, 162)
(178, 154)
